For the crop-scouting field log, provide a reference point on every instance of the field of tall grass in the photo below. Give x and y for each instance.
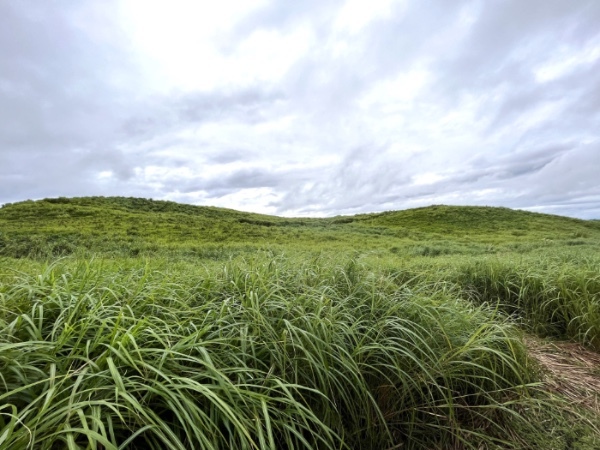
(316, 344)
(554, 293)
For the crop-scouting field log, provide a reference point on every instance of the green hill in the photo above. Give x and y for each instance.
(478, 220)
(135, 323)
(135, 226)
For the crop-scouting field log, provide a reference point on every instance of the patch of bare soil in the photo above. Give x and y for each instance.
(570, 370)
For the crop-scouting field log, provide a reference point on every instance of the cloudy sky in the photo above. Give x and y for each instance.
(304, 108)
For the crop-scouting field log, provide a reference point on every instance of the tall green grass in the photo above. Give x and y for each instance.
(270, 352)
(175, 326)
(553, 297)
(553, 294)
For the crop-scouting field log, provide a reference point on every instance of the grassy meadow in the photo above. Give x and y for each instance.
(136, 324)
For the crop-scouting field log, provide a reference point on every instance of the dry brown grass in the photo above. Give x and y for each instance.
(570, 370)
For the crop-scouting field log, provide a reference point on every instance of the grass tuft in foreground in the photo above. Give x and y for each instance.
(265, 353)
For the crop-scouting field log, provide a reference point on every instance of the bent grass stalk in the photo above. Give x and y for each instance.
(258, 354)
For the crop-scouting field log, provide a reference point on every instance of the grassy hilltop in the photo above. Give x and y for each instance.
(133, 226)
(133, 323)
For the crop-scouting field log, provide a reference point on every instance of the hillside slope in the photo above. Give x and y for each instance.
(477, 220)
(134, 225)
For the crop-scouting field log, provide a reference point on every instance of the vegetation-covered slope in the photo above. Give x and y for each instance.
(477, 220)
(132, 226)
(131, 323)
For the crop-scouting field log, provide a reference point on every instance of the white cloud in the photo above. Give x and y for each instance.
(303, 108)
(178, 41)
(566, 60)
(396, 94)
(266, 55)
(356, 14)
(426, 178)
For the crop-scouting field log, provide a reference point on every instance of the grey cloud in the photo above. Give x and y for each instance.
(58, 100)
(505, 43)
(228, 156)
(586, 98)
(576, 92)
(365, 176)
(509, 34)
(73, 104)
(515, 164)
(245, 105)
(323, 85)
(547, 178)
(575, 172)
(238, 179)
(521, 179)
(61, 115)
(280, 15)
(161, 114)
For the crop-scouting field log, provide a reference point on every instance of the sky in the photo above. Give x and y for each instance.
(304, 108)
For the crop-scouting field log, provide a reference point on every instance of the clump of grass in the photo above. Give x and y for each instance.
(267, 353)
(553, 296)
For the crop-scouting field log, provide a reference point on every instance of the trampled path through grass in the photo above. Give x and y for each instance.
(569, 370)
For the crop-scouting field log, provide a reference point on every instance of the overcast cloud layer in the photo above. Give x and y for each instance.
(304, 107)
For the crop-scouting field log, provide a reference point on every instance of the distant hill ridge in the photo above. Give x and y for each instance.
(131, 204)
(100, 223)
(462, 215)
